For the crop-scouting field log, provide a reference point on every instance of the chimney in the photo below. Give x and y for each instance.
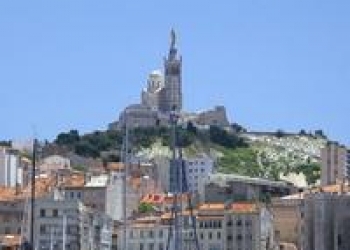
(87, 177)
(17, 189)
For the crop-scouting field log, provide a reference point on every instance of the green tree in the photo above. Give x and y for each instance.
(69, 138)
(312, 172)
(145, 208)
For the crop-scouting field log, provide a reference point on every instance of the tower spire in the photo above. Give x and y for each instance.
(172, 39)
(172, 50)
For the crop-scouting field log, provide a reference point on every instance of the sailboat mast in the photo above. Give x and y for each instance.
(64, 232)
(33, 194)
(51, 238)
(126, 163)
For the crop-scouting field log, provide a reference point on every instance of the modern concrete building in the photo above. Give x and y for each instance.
(326, 222)
(10, 170)
(198, 170)
(232, 187)
(334, 164)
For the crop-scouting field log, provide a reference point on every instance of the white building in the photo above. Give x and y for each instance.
(151, 95)
(197, 171)
(115, 197)
(53, 164)
(68, 222)
(10, 170)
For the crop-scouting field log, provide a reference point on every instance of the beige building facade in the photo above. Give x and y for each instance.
(334, 164)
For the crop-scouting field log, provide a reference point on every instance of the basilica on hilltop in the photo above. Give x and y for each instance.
(162, 95)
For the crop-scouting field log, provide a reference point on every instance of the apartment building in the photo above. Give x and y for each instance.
(10, 172)
(334, 161)
(326, 222)
(287, 220)
(218, 227)
(232, 187)
(62, 222)
(11, 216)
(197, 172)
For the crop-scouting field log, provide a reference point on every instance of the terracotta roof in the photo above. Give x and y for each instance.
(10, 240)
(135, 182)
(212, 206)
(156, 199)
(74, 181)
(244, 207)
(43, 186)
(202, 218)
(7, 193)
(153, 199)
(335, 188)
(115, 166)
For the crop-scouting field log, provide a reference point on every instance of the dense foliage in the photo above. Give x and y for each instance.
(93, 144)
(145, 208)
(241, 161)
(312, 172)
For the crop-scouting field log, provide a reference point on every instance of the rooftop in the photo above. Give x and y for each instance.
(221, 179)
(244, 207)
(10, 240)
(212, 206)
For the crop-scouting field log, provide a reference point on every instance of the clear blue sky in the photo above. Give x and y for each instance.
(75, 64)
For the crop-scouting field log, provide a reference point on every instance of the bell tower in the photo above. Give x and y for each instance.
(172, 78)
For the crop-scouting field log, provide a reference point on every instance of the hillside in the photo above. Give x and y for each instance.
(273, 156)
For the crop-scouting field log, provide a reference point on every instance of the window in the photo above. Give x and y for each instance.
(151, 246)
(131, 234)
(160, 234)
(239, 223)
(161, 246)
(141, 235)
(210, 235)
(42, 213)
(239, 237)
(42, 229)
(218, 235)
(150, 234)
(54, 213)
(219, 224)
(201, 236)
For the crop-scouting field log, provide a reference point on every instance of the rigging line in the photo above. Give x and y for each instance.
(170, 227)
(189, 199)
